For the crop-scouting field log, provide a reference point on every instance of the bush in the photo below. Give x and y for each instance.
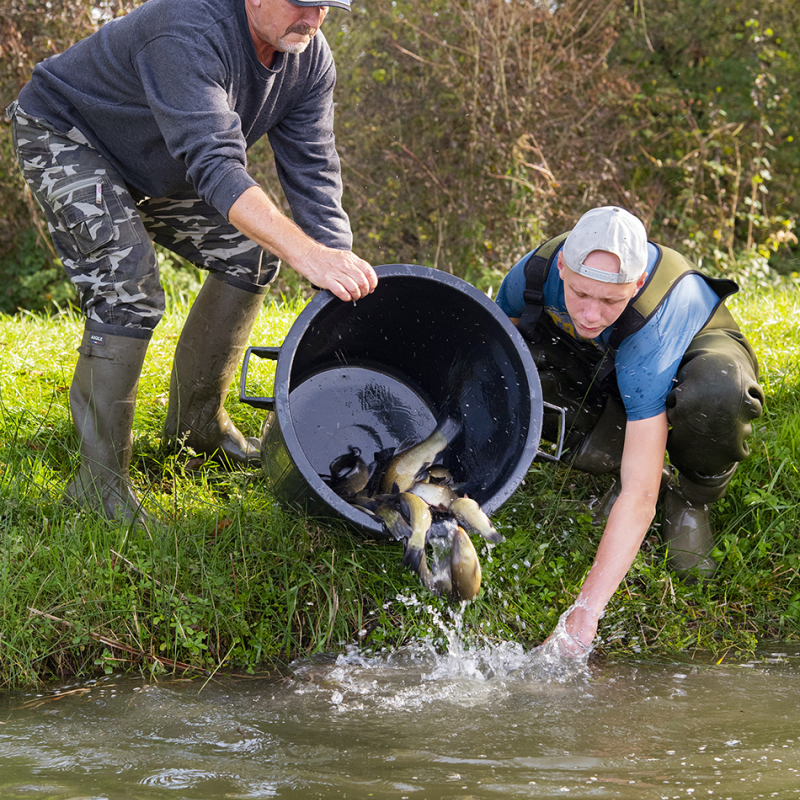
(32, 280)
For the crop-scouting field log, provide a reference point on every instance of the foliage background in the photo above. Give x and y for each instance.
(470, 129)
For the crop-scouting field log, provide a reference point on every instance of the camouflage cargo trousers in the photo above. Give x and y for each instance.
(103, 232)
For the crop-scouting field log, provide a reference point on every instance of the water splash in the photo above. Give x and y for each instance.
(560, 658)
(462, 668)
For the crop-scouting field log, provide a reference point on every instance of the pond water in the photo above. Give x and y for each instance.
(481, 722)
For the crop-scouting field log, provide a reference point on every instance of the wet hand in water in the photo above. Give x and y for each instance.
(574, 634)
(563, 645)
(342, 272)
(581, 626)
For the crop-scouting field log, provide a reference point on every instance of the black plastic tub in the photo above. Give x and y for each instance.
(382, 372)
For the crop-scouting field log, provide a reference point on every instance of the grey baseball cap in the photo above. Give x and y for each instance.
(612, 230)
(345, 4)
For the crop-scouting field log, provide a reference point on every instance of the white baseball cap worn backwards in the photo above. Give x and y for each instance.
(612, 230)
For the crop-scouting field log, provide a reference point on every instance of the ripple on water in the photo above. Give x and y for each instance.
(471, 718)
(176, 778)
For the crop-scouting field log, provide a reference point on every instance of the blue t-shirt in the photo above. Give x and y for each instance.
(647, 361)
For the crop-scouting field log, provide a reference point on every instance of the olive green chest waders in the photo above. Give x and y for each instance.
(710, 409)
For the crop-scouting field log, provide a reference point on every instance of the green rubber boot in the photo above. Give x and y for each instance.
(102, 399)
(687, 524)
(600, 451)
(209, 350)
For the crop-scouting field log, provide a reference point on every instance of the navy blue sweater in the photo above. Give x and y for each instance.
(173, 95)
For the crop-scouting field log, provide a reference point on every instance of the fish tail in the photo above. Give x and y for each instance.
(413, 557)
(426, 577)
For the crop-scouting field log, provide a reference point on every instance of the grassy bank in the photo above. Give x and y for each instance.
(232, 581)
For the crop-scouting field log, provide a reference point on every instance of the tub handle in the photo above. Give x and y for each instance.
(562, 429)
(271, 353)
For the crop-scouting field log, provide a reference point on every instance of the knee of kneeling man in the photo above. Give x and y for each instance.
(714, 397)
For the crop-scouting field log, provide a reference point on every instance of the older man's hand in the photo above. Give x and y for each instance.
(340, 271)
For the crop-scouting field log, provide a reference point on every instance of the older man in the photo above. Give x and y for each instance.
(640, 350)
(142, 130)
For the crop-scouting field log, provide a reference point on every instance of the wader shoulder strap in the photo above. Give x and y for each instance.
(670, 268)
(536, 269)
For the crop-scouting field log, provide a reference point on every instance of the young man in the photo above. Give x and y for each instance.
(142, 130)
(640, 350)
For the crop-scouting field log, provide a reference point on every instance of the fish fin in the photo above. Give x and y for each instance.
(406, 444)
(413, 557)
(422, 474)
(369, 512)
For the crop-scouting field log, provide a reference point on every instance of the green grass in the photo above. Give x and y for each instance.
(232, 581)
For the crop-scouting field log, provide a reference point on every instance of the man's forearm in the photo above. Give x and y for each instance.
(341, 271)
(258, 218)
(627, 525)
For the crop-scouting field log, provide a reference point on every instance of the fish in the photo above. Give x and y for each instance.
(393, 520)
(349, 473)
(405, 468)
(418, 513)
(472, 516)
(465, 569)
(407, 518)
(418, 503)
(443, 528)
(439, 474)
(437, 496)
(370, 502)
(440, 537)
